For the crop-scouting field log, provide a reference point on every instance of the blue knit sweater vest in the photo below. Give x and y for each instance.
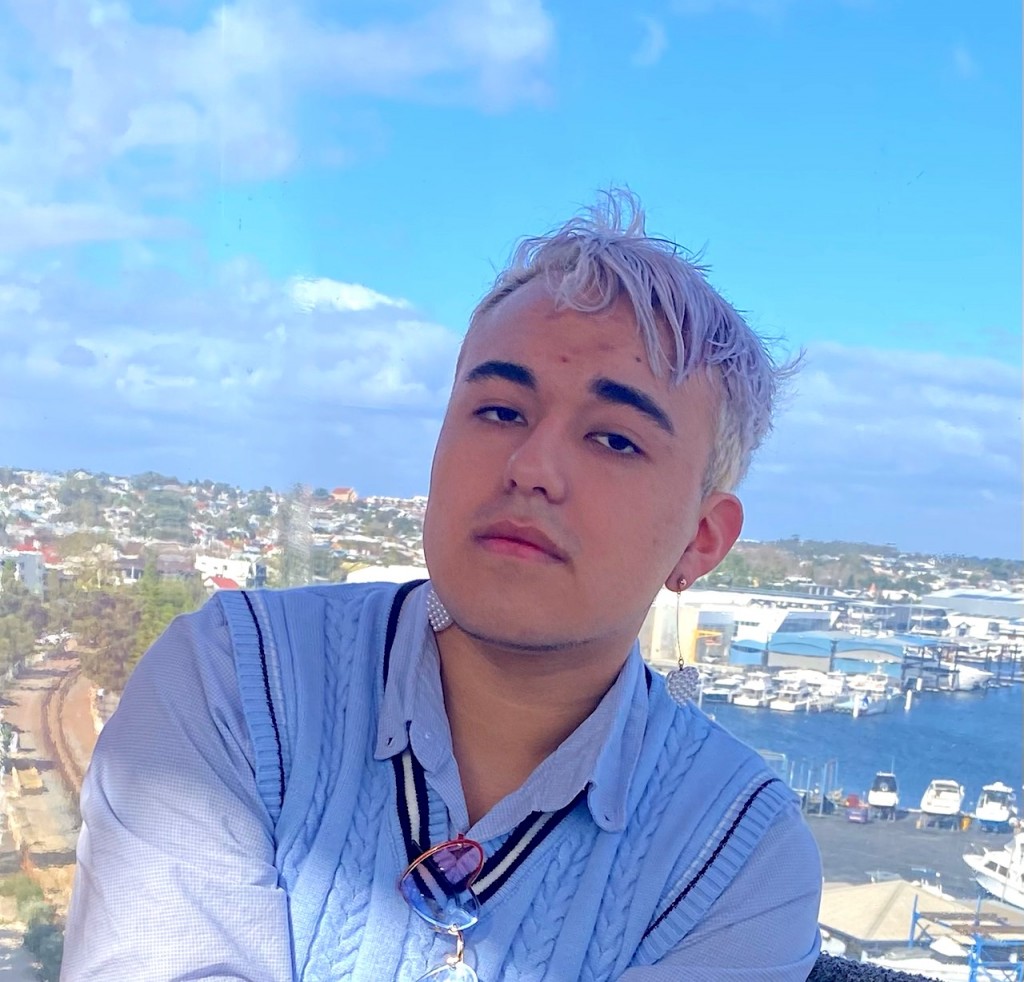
(586, 904)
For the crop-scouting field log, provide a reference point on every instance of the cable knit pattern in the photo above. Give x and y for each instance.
(340, 931)
(629, 859)
(341, 641)
(252, 690)
(528, 955)
(570, 911)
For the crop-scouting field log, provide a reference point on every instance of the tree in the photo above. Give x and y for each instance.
(106, 626)
(161, 601)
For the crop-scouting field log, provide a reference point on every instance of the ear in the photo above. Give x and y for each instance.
(719, 526)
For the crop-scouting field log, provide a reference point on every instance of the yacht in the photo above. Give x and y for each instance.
(756, 692)
(884, 795)
(996, 808)
(863, 704)
(868, 695)
(966, 678)
(792, 697)
(1001, 871)
(942, 799)
(830, 691)
(722, 689)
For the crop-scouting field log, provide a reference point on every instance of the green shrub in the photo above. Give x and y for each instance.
(35, 912)
(46, 942)
(43, 936)
(23, 888)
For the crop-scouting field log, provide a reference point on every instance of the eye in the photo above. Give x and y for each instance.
(499, 414)
(616, 443)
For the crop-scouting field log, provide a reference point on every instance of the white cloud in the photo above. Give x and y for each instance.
(103, 84)
(308, 294)
(24, 225)
(92, 97)
(219, 375)
(922, 447)
(20, 298)
(653, 44)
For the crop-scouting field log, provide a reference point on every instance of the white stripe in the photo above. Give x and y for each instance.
(411, 802)
(485, 881)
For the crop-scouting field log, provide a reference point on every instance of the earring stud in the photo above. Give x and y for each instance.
(437, 613)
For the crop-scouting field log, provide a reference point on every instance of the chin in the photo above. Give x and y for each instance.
(534, 642)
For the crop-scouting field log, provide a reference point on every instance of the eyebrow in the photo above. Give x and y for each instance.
(606, 389)
(507, 370)
(609, 390)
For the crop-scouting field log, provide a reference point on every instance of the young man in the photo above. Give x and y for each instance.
(478, 777)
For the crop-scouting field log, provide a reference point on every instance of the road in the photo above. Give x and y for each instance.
(49, 704)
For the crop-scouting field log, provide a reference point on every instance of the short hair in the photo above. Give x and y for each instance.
(591, 260)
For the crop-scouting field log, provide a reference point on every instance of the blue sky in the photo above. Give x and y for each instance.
(242, 242)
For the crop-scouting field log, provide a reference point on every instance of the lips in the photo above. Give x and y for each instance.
(512, 533)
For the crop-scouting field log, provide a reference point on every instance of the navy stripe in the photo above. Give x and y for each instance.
(419, 783)
(711, 859)
(416, 843)
(416, 847)
(513, 841)
(404, 816)
(270, 701)
(396, 608)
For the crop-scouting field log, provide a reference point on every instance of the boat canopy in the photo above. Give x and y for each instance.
(884, 781)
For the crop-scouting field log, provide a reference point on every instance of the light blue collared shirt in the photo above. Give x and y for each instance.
(176, 875)
(600, 754)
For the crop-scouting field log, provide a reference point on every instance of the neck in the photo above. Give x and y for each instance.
(508, 710)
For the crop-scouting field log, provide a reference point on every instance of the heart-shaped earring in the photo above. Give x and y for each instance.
(683, 683)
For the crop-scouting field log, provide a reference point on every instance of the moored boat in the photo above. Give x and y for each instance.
(966, 678)
(723, 688)
(996, 808)
(793, 697)
(1001, 871)
(884, 795)
(942, 799)
(756, 692)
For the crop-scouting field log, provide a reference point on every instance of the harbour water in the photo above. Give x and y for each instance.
(972, 737)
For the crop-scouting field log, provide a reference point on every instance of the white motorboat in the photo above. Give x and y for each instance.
(1001, 871)
(996, 808)
(966, 678)
(756, 692)
(830, 691)
(874, 683)
(864, 704)
(884, 795)
(793, 697)
(722, 689)
(868, 695)
(942, 799)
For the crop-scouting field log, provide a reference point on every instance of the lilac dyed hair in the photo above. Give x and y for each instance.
(595, 258)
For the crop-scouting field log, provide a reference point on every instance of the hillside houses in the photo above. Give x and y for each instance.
(107, 530)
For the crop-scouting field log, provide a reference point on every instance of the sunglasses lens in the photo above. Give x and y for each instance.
(437, 887)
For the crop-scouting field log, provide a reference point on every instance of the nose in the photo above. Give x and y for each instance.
(538, 465)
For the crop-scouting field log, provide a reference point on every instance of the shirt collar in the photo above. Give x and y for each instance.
(601, 754)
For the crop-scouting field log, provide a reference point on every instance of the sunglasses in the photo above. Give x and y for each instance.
(437, 885)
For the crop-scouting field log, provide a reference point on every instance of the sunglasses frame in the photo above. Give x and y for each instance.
(454, 962)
